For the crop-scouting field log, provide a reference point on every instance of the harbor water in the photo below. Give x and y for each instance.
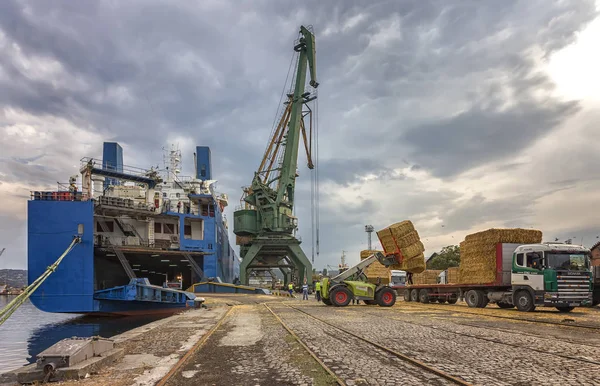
(30, 331)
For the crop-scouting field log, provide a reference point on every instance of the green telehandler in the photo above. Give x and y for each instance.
(352, 284)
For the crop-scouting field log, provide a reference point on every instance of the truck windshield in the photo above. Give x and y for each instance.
(568, 261)
(399, 280)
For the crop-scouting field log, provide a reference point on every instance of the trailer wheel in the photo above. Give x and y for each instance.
(414, 295)
(452, 299)
(483, 299)
(340, 296)
(407, 296)
(473, 298)
(441, 300)
(326, 301)
(386, 297)
(524, 301)
(565, 309)
(424, 296)
(504, 305)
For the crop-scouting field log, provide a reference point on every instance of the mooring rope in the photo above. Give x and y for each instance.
(7, 311)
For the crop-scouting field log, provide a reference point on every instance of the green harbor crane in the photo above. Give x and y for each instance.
(265, 225)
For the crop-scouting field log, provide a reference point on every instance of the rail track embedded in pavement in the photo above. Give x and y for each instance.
(388, 350)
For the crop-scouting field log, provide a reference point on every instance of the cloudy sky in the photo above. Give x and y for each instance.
(458, 115)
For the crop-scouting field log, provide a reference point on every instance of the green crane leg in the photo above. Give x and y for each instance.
(302, 263)
(248, 258)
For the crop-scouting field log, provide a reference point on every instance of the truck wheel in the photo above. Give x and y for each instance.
(340, 296)
(565, 309)
(424, 296)
(524, 301)
(326, 301)
(414, 295)
(504, 305)
(473, 298)
(407, 296)
(483, 299)
(452, 299)
(386, 297)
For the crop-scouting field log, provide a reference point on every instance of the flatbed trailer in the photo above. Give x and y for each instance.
(518, 283)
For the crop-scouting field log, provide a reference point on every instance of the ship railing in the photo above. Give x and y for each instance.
(38, 195)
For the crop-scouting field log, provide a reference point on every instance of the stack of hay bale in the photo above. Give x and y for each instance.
(478, 252)
(402, 237)
(429, 276)
(376, 270)
(453, 275)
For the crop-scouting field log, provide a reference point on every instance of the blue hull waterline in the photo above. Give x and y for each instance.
(145, 237)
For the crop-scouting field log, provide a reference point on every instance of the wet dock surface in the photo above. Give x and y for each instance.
(267, 340)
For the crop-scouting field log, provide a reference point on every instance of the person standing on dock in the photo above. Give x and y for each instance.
(305, 290)
(291, 289)
(318, 290)
(179, 207)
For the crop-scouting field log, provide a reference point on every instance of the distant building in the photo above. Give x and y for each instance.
(596, 253)
(3, 290)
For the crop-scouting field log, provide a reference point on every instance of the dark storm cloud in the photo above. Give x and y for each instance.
(394, 76)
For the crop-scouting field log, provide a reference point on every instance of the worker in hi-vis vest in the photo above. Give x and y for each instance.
(291, 289)
(318, 290)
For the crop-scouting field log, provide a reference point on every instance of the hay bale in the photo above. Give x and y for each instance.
(415, 264)
(429, 276)
(478, 252)
(413, 250)
(453, 275)
(375, 270)
(366, 253)
(409, 239)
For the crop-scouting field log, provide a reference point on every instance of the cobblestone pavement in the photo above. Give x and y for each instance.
(475, 360)
(251, 348)
(353, 360)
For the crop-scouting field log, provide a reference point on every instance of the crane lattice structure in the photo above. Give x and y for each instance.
(265, 224)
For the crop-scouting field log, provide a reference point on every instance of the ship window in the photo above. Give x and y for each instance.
(520, 259)
(169, 229)
(80, 229)
(187, 231)
(203, 170)
(164, 194)
(177, 195)
(158, 227)
(110, 226)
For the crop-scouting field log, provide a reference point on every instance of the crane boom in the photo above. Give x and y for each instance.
(265, 225)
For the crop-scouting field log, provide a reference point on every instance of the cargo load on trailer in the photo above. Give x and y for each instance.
(478, 252)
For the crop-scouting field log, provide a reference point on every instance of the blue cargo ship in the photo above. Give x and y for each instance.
(146, 236)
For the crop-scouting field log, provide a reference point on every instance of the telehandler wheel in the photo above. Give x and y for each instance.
(340, 296)
(424, 296)
(326, 301)
(385, 297)
(524, 301)
(407, 296)
(565, 309)
(504, 305)
(414, 295)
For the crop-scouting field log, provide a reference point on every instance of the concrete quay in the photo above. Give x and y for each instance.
(269, 340)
